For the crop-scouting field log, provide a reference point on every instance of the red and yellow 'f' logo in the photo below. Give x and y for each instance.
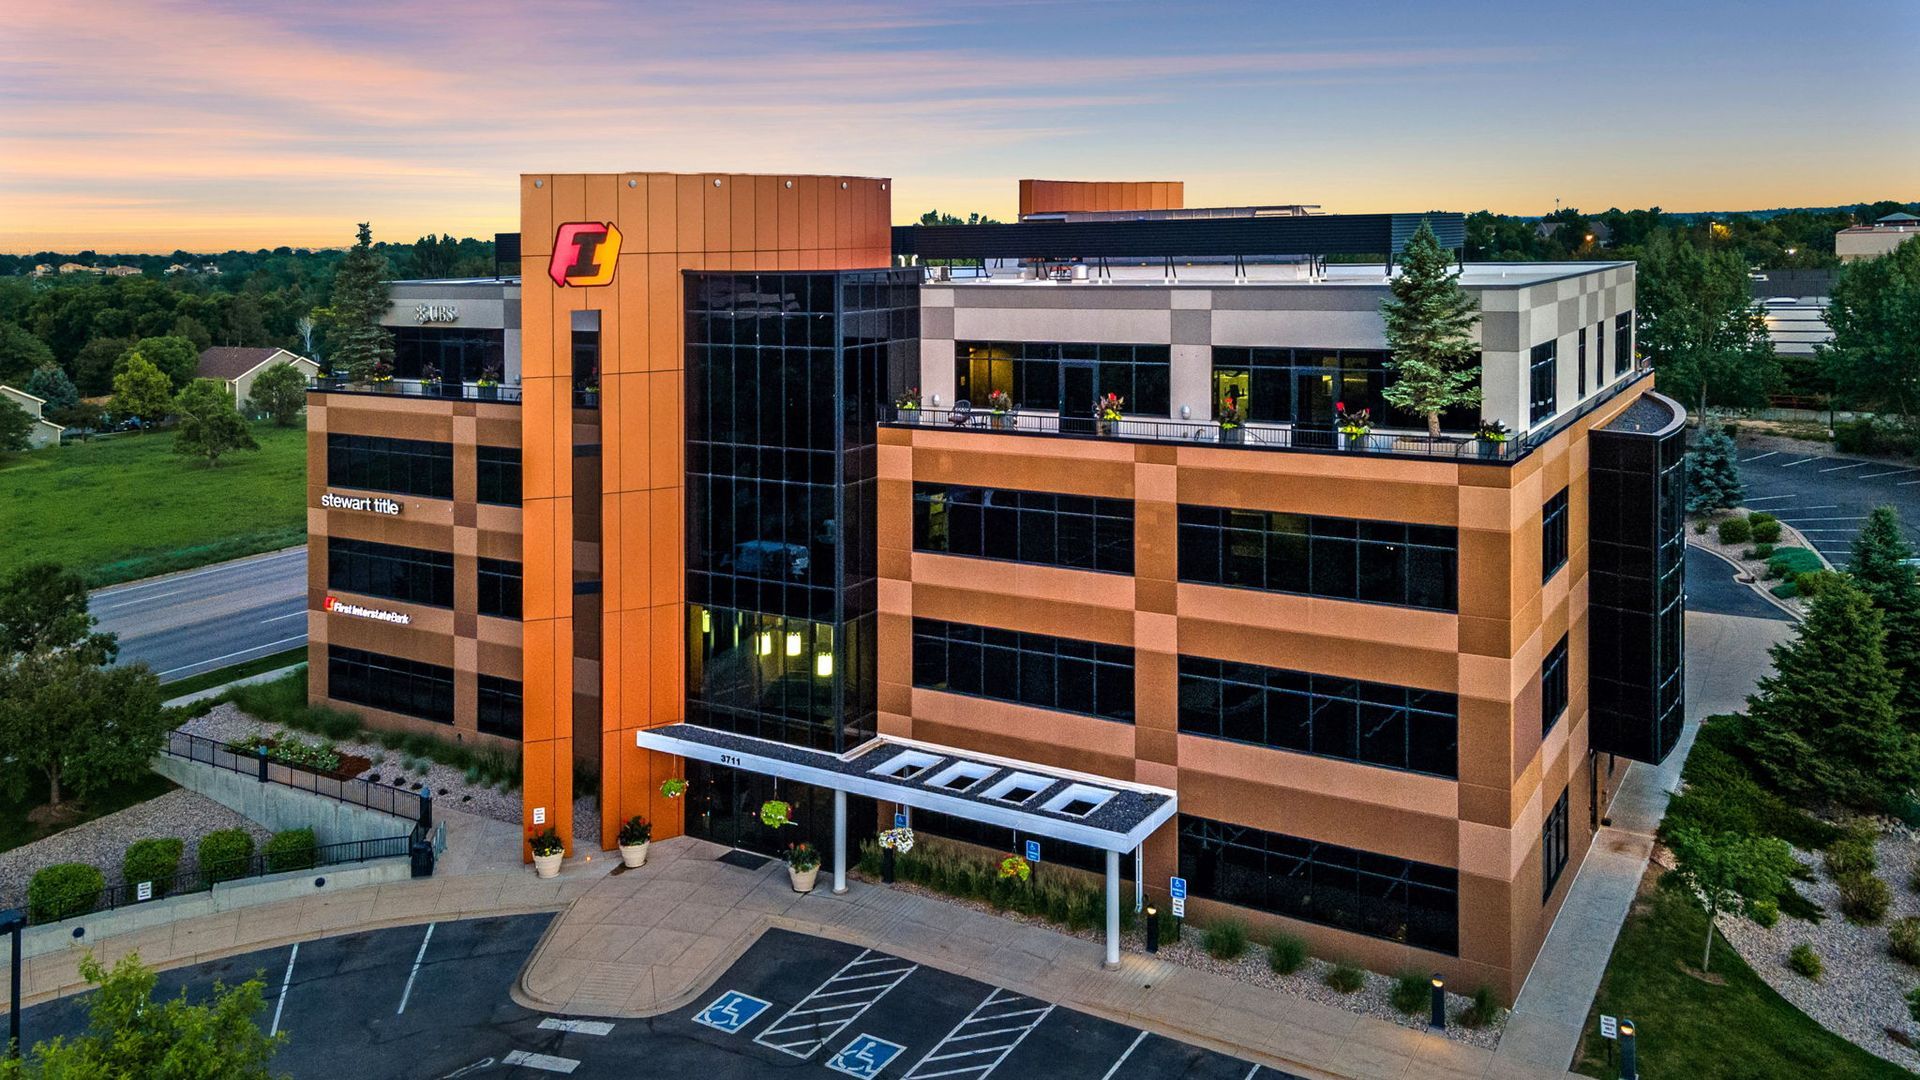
(584, 254)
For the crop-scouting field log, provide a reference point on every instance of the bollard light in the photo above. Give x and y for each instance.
(1438, 1021)
(1153, 929)
(1629, 1058)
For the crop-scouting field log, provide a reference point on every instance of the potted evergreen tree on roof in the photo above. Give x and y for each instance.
(1430, 318)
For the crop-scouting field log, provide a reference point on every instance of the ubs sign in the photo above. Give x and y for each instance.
(371, 504)
(436, 313)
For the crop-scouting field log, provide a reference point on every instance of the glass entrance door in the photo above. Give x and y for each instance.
(723, 806)
(1076, 399)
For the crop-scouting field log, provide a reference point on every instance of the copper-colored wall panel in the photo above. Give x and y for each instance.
(1052, 196)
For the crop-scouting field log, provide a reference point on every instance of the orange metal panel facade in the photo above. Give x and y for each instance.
(1058, 196)
(669, 223)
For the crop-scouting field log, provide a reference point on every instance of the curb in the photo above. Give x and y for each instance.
(1754, 585)
(216, 691)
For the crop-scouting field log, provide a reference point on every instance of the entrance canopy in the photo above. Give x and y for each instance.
(1036, 800)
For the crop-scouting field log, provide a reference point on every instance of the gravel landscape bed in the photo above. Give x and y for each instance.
(103, 841)
(1862, 990)
(1252, 968)
(227, 723)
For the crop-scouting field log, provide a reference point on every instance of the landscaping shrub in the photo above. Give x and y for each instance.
(1484, 1010)
(1225, 940)
(335, 724)
(1805, 962)
(1758, 551)
(1346, 978)
(1786, 590)
(1853, 853)
(1759, 518)
(1734, 530)
(1913, 1003)
(291, 849)
(1764, 912)
(1814, 582)
(1864, 898)
(1286, 953)
(1701, 526)
(1903, 940)
(1763, 532)
(156, 859)
(1411, 992)
(1789, 562)
(1062, 897)
(224, 854)
(63, 890)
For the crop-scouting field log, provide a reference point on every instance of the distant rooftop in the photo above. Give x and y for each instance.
(1274, 272)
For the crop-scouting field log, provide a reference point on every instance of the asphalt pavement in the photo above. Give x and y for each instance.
(432, 1001)
(1829, 498)
(197, 620)
(1712, 589)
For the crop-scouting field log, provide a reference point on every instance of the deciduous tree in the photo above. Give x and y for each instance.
(176, 357)
(43, 608)
(1430, 344)
(208, 424)
(20, 353)
(1713, 474)
(280, 392)
(1700, 326)
(16, 427)
(142, 391)
(84, 727)
(1730, 872)
(1875, 318)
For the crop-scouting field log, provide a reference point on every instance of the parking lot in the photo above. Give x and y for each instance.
(1829, 498)
(432, 1001)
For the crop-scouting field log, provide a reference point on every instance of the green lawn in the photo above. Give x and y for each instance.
(1687, 1028)
(16, 830)
(128, 507)
(222, 676)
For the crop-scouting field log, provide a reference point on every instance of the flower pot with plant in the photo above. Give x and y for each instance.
(1492, 437)
(803, 866)
(999, 404)
(893, 842)
(906, 407)
(548, 850)
(1107, 414)
(634, 836)
(672, 788)
(488, 385)
(382, 378)
(589, 392)
(1233, 426)
(1354, 425)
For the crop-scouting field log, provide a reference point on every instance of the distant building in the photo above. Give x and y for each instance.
(43, 270)
(123, 271)
(78, 268)
(238, 367)
(1877, 239)
(45, 432)
(1599, 233)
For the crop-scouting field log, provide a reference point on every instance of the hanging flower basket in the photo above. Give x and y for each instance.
(673, 788)
(899, 840)
(1013, 866)
(774, 813)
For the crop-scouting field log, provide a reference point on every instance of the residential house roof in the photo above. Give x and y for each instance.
(230, 362)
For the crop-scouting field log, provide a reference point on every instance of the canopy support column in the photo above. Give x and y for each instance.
(1113, 909)
(839, 841)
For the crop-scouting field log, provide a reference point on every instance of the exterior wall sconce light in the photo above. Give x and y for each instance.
(766, 643)
(823, 665)
(793, 644)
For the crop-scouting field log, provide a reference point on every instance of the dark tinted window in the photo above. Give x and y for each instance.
(1395, 727)
(377, 681)
(1377, 895)
(1380, 562)
(1553, 847)
(1553, 686)
(1064, 674)
(1024, 526)
(402, 466)
(1029, 372)
(1622, 342)
(1581, 363)
(1545, 380)
(499, 707)
(497, 475)
(1303, 385)
(1553, 535)
(460, 354)
(410, 575)
(499, 588)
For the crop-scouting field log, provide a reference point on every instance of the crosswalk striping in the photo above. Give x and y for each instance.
(817, 1018)
(576, 1027)
(998, 1025)
(543, 1062)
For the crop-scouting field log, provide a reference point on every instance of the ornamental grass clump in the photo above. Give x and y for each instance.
(1225, 940)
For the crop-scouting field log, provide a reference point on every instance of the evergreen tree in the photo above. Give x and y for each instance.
(1430, 343)
(1880, 568)
(16, 427)
(1824, 728)
(142, 391)
(352, 316)
(51, 385)
(209, 425)
(1713, 475)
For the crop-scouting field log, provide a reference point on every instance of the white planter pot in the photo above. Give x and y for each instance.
(548, 866)
(803, 880)
(634, 855)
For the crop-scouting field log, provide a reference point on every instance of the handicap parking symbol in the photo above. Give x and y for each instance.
(864, 1057)
(731, 1011)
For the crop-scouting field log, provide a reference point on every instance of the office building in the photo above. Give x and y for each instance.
(1372, 686)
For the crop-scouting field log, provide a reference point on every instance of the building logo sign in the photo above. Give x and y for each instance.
(584, 253)
(341, 607)
(432, 313)
(370, 504)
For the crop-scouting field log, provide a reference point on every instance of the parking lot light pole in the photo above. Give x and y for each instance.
(12, 922)
(839, 842)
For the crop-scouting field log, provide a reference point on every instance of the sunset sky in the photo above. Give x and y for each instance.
(146, 126)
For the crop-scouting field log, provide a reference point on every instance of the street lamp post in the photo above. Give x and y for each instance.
(12, 922)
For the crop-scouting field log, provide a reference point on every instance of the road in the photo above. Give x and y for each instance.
(1712, 589)
(432, 1002)
(1829, 498)
(186, 623)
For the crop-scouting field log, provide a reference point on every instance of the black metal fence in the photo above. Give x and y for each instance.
(74, 902)
(505, 393)
(1210, 433)
(383, 798)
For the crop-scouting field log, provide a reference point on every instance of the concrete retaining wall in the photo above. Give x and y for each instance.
(84, 932)
(277, 807)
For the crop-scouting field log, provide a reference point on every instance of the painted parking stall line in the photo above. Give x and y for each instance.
(822, 1015)
(1844, 468)
(576, 1027)
(1131, 1047)
(731, 1011)
(543, 1062)
(418, 959)
(978, 1044)
(286, 981)
(1791, 464)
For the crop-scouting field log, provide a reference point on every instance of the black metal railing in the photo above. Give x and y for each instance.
(505, 393)
(49, 909)
(382, 798)
(1209, 432)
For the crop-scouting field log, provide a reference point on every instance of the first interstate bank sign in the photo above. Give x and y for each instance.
(372, 504)
(341, 607)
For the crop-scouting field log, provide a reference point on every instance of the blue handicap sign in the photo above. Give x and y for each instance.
(865, 1056)
(1033, 851)
(731, 1011)
(1177, 888)
(899, 821)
